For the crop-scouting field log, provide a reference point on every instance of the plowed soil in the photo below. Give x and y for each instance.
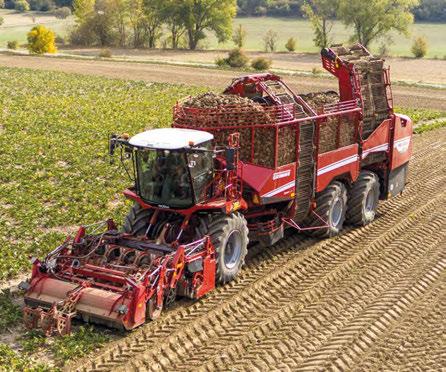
(370, 299)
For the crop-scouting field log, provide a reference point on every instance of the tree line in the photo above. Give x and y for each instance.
(141, 23)
(426, 10)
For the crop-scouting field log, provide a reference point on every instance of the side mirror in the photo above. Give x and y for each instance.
(112, 144)
(230, 158)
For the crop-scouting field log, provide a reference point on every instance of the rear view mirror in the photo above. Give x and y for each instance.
(112, 144)
(230, 159)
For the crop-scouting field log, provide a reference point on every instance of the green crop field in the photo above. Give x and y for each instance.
(53, 153)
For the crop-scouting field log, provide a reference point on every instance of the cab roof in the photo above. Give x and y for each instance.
(170, 138)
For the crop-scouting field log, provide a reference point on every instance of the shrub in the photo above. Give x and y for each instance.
(237, 58)
(239, 36)
(60, 40)
(62, 13)
(1, 20)
(105, 53)
(419, 47)
(13, 44)
(383, 50)
(41, 5)
(41, 40)
(221, 62)
(291, 44)
(261, 63)
(21, 6)
(83, 35)
(270, 41)
(316, 71)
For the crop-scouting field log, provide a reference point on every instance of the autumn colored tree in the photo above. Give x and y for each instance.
(41, 40)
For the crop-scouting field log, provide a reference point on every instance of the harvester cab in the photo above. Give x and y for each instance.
(172, 168)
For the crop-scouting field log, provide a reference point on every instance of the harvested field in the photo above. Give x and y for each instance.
(406, 96)
(373, 298)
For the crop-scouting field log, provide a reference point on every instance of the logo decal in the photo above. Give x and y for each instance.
(402, 145)
(282, 174)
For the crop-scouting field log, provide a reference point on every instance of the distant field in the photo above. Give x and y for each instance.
(18, 24)
(301, 30)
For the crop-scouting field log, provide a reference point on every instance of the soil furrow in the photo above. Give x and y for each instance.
(330, 308)
(311, 269)
(393, 343)
(272, 278)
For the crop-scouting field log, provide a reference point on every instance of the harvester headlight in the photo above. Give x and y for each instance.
(123, 309)
(24, 286)
(256, 199)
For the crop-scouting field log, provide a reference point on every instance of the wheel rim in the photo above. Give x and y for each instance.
(370, 202)
(336, 212)
(233, 249)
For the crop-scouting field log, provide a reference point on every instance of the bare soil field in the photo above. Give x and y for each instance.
(218, 79)
(373, 298)
(408, 69)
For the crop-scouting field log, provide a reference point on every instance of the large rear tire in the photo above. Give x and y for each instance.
(331, 205)
(137, 220)
(229, 235)
(363, 199)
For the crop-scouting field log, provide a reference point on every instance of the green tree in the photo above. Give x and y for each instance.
(321, 14)
(21, 6)
(270, 41)
(2, 4)
(239, 36)
(419, 47)
(208, 15)
(173, 14)
(119, 10)
(137, 22)
(376, 18)
(291, 44)
(253, 7)
(153, 20)
(41, 40)
(82, 9)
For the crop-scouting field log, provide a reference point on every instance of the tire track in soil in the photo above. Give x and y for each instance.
(109, 365)
(392, 349)
(328, 314)
(178, 332)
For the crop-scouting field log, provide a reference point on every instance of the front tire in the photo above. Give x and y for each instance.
(137, 220)
(229, 235)
(331, 205)
(363, 199)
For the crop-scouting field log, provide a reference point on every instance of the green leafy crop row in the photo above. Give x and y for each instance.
(54, 167)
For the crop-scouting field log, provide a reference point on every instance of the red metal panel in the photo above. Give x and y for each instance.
(402, 141)
(281, 183)
(255, 176)
(334, 163)
(378, 140)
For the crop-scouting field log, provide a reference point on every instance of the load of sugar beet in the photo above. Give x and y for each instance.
(373, 86)
(223, 114)
(328, 133)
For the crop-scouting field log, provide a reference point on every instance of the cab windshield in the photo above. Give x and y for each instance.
(164, 178)
(175, 178)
